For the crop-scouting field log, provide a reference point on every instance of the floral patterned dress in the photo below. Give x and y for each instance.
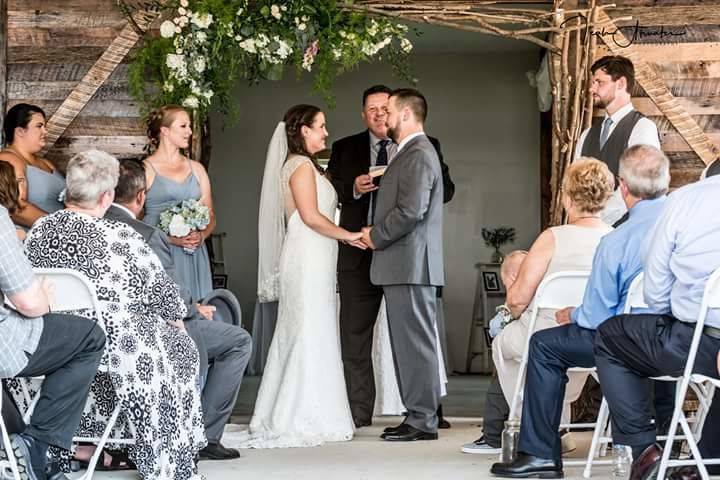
(153, 366)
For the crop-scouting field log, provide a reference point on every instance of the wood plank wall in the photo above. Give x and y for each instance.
(51, 45)
(690, 65)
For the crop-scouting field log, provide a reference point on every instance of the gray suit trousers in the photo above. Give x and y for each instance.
(228, 350)
(411, 321)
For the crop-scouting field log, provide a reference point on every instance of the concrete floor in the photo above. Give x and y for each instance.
(367, 457)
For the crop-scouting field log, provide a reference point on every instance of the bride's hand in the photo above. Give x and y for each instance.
(355, 239)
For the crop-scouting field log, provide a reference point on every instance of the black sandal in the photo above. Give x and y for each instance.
(119, 460)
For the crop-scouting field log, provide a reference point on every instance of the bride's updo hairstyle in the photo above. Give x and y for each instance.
(158, 118)
(294, 119)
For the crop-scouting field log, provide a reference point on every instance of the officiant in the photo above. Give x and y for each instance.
(350, 163)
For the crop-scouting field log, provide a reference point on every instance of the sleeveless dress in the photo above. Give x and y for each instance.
(574, 250)
(44, 188)
(302, 400)
(194, 268)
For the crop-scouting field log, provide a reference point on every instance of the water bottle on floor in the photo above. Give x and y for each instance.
(621, 462)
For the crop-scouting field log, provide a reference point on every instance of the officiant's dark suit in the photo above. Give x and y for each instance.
(359, 299)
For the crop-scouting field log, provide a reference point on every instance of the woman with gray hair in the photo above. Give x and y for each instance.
(153, 363)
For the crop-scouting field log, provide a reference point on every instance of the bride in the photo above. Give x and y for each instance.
(302, 399)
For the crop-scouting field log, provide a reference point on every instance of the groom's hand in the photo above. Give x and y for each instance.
(364, 184)
(366, 237)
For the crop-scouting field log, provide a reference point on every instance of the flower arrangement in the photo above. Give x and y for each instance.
(496, 238)
(206, 45)
(183, 218)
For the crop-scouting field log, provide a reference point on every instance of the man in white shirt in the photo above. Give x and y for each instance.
(613, 79)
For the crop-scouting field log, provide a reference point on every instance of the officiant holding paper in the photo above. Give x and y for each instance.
(356, 166)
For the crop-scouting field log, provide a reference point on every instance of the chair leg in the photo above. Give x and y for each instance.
(600, 427)
(7, 448)
(92, 464)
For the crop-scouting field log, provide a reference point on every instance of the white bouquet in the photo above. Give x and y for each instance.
(183, 218)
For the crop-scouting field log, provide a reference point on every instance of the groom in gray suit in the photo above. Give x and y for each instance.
(408, 262)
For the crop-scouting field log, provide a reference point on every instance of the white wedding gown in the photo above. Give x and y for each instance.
(387, 393)
(302, 400)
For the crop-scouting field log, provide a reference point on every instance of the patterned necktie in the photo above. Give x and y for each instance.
(605, 132)
(380, 161)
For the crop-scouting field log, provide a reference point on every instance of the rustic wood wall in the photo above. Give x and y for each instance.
(687, 57)
(51, 45)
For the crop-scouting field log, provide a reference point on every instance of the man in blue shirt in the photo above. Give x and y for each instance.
(644, 179)
(682, 252)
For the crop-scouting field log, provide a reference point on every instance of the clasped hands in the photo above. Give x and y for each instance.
(360, 239)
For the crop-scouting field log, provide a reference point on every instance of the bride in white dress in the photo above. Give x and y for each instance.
(302, 400)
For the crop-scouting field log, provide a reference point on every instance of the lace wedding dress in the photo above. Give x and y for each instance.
(302, 400)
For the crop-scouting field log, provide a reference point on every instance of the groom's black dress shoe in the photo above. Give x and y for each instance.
(218, 451)
(528, 466)
(406, 433)
(393, 429)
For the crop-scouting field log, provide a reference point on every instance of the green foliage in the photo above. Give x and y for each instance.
(208, 45)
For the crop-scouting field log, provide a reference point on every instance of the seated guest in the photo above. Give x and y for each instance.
(226, 347)
(644, 178)
(496, 408)
(10, 193)
(40, 182)
(64, 348)
(682, 251)
(586, 187)
(153, 363)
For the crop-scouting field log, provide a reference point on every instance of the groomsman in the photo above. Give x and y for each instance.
(360, 300)
(613, 79)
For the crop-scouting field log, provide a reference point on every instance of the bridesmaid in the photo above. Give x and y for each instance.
(40, 184)
(172, 178)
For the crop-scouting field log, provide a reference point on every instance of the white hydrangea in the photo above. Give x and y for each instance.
(199, 64)
(189, 102)
(167, 29)
(406, 45)
(275, 12)
(176, 62)
(201, 37)
(202, 20)
(248, 45)
(284, 49)
(168, 87)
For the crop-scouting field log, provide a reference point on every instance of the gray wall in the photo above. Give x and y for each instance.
(485, 115)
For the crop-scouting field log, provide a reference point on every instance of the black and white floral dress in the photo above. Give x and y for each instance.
(153, 365)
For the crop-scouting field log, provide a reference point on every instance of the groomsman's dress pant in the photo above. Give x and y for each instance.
(228, 349)
(68, 355)
(631, 348)
(411, 321)
(359, 306)
(552, 352)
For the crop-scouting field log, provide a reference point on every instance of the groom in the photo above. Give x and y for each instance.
(408, 261)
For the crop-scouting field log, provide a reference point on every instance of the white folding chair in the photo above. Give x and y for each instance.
(705, 387)
(10, 463)
(601, 433)
(72, 291)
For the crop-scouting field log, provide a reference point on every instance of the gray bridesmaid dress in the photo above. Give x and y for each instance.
(44, 188)
(193, 269)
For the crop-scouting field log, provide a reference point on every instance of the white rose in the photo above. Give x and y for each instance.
(167, 29)
(178, 227)
(182, 11)
(178, 29)
(248, 45)
(302, 27)
(184, 3)
(183, 21)
(275, 12)
(202, 20)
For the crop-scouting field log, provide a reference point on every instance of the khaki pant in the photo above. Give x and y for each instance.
(507, 351)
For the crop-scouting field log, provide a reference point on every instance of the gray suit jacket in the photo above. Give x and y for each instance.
(158, 242)
(408, 219)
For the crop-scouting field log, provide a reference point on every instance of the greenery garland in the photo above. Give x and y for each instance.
(207, 45)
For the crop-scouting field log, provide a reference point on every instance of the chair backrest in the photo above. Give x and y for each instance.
(561, 289)
(71, 289)
(227, 307)
(635, 297)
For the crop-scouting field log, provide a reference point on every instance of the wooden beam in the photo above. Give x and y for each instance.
(94, 108)
(668, 15)
(3, 62)
(707, 105)
(662, 52)
(656, 89)
(95, 77)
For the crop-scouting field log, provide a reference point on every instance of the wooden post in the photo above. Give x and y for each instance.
(3, 61)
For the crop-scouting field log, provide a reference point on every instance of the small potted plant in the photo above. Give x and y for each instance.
(496, 238)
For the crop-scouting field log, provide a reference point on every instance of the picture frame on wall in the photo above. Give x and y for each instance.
(491, 282)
